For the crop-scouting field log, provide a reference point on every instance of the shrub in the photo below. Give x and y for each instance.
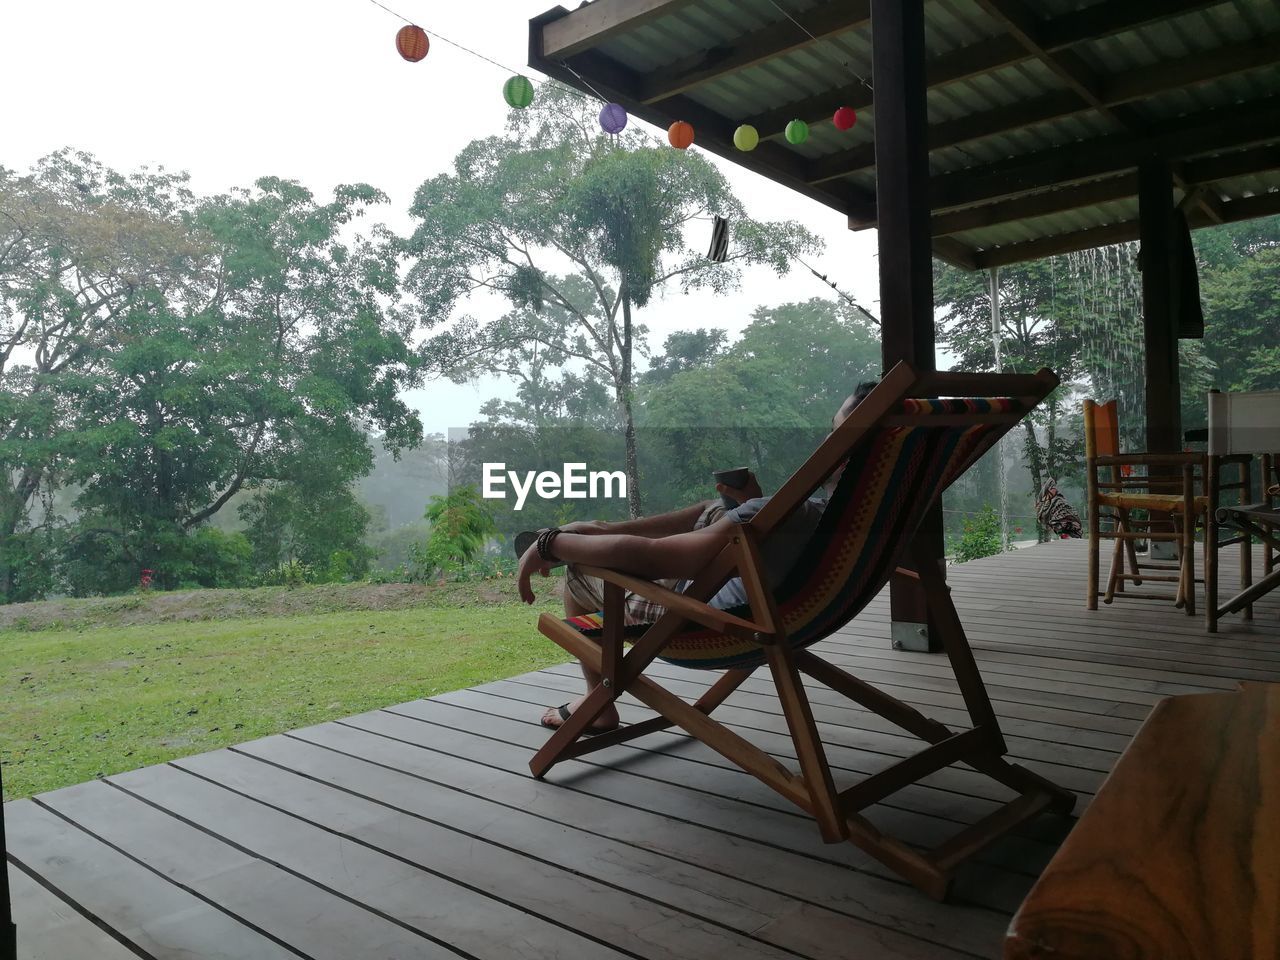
(979, 537)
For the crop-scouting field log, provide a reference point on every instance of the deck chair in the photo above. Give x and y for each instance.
(1121, 494)
(1240, 426)
(901, 447)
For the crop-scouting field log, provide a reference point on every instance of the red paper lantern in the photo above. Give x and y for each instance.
(412, 43)
(680, 134)
(845, 118)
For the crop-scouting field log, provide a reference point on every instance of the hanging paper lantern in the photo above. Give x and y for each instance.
(518, 92)
(412, 43)
(613, 118)
(680, 134)
(797, 132)
(746, 137)
(845, 118)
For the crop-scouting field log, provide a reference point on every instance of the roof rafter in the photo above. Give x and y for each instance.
(1101, 19)
(594, 23)
(1227, 128)
(714, 131)
(1232, 211)
(1131, 85)
(820, 23)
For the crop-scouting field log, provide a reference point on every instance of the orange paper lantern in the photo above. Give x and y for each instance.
(412, 43)
(680, 134)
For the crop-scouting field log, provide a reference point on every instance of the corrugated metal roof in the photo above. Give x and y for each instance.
(1227, 53)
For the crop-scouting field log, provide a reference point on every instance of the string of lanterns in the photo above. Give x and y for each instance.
(413, 44)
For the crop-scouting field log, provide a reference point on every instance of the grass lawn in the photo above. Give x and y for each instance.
(95, 687)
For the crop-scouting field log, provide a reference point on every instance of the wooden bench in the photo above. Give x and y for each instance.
(1178, 858)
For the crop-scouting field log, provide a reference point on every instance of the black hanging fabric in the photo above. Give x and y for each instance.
(719, 251)
(1187, 308)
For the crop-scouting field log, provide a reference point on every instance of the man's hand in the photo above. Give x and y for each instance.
(748, 491)
(530, 564)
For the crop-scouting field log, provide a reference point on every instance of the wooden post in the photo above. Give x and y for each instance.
(1159, 279)
(1159, 325)
(906, 256)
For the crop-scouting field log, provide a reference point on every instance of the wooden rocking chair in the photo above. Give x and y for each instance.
(901, 447)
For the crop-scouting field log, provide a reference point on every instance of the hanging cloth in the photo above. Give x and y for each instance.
(719, 251)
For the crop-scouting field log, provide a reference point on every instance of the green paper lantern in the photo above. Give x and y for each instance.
(746, 138)
(797, 132)
(518, 92)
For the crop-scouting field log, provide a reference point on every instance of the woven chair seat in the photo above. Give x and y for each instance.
(1166, 502)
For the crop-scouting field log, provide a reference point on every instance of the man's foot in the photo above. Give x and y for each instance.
(605, 723)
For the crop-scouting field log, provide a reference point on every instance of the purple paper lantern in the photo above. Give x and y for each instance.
(613, 118)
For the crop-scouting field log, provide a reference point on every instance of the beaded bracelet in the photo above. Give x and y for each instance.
(544, 544)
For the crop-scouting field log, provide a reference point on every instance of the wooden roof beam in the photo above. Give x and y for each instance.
(1101, 19)
(1132, 85)
(1233, 211)
(594, 23)
(775, 40)
(1234, 127)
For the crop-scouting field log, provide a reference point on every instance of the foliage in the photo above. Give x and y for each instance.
(979, 537)
(164, 353)
(461, 524)
(765, 402)
(560, 195)
(309, 526)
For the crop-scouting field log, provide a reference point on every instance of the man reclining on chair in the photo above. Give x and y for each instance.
(670, 548)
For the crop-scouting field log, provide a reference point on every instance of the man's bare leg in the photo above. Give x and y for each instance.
(609, 716)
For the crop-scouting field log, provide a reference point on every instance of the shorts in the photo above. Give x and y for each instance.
(588, 592)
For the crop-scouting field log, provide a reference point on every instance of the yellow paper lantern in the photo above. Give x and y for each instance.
(746, 138)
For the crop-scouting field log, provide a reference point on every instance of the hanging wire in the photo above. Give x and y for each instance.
(843, 296)
(490, 60)
(805, 30)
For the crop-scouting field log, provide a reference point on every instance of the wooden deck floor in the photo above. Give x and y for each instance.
(415, 831)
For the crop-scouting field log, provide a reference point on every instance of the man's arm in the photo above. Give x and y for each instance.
(661, 525)
(681, 556)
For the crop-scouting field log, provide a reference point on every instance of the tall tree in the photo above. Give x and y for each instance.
(558, 216)
(1040, 326)
(268, 366)
(79, 243)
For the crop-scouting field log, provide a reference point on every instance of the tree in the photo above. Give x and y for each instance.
(1040, 326)
(264, 363)
(461, 524)
(78, 244)
(763, 402)
(576, 231)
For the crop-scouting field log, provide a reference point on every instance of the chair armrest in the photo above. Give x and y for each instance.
(694, 610)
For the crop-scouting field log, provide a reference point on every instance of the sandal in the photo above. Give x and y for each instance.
(563, 710)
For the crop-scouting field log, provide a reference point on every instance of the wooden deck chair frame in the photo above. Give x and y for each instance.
(1117, 493)
(838, 812)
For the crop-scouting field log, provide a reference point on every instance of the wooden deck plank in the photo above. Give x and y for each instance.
(708, 796)
(591, 881)
(421, 818)
(451, 757)
(386, 889)
(930, 820)
(163, 920)
(53, 929)
(313, 920)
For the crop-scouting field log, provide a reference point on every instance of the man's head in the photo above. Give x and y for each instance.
(852, 401)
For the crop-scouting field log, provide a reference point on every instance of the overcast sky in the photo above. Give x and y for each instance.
(313, 90)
